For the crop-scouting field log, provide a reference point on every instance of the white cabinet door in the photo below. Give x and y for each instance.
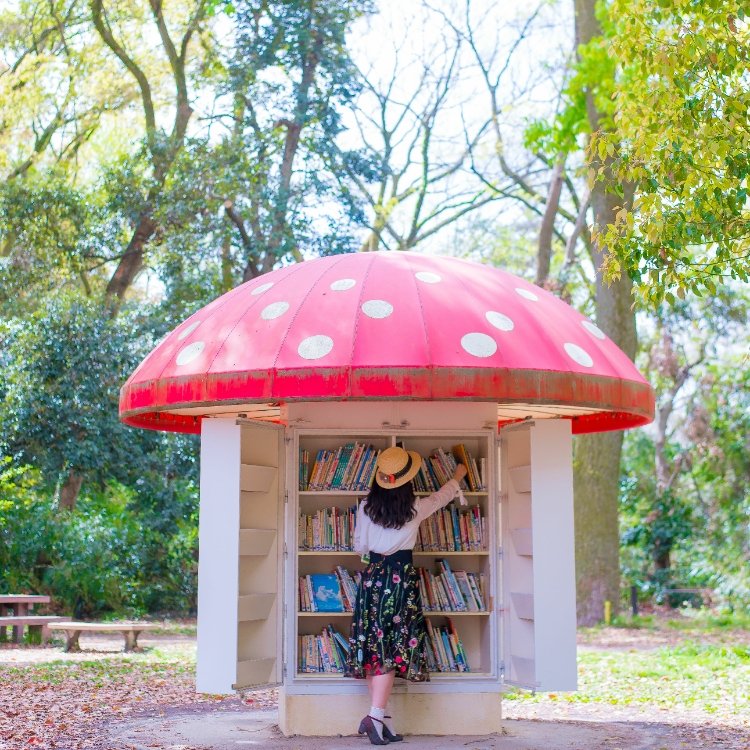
(539, 608)
(240, 556)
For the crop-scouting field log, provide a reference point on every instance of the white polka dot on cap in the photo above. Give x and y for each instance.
(579, 354)
(479, 344)
(185, 332)
(377, 308)
(594, 330)
(189, 353)
(315, 347)
(500, 321)
(428, 277)
(527, 294)
(262, 288)
(274, 310)
(341, 285)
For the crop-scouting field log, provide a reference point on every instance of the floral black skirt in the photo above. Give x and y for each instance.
(388, 630)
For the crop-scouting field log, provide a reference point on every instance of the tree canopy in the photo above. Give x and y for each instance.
(681, 137)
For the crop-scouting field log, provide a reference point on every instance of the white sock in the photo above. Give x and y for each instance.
(388, 720)
(378, 713)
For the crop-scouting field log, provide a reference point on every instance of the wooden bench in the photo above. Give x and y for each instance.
(691, 596)
(130, 630)
(35, 623)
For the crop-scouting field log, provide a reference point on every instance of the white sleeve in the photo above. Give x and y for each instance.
(426, 506)
(360, 533)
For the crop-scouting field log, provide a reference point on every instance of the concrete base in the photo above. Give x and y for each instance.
(415, 713)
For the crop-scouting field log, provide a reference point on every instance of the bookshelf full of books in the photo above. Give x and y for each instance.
(452, 555)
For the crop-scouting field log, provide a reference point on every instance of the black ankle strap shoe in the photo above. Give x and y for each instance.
(390, 736)
(367, 726)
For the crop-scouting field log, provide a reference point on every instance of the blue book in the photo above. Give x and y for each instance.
(326, 592)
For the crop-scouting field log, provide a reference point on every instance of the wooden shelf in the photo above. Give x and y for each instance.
(523, 605)
(327, 553)
(254, 606)
(324, 614)
(362, 493)
(427, 613)
(522, 541)
(256, 542)
(520, 476)
(252, 672)
(337, 493)
(443, 553)
(467, 493)
(433, 675)
(256, 478)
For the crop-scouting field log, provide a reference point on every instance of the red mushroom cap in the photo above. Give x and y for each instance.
(387, 326)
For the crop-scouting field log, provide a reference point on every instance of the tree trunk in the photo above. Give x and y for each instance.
(69, 491)
(597, 457)
(544, 249)
(596, 474)
(131, 262)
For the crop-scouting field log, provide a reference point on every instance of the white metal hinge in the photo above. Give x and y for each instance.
(286, 554)
(285, 610)
(286, 496)
(500, 552)
(283, 669)
(501, 667)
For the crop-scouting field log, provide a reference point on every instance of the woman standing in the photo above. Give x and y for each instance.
(388, 630)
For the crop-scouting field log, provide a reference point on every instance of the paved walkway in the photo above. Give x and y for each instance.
(223, 729)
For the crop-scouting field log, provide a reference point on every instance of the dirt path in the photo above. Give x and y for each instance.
(151, 703)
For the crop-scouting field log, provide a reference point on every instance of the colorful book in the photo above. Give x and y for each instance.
(326, 592)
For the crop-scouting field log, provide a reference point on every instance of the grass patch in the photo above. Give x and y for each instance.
(709, 678)
(685, 620)
(706, 619)
(154, 663)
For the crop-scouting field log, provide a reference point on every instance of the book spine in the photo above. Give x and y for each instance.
(443, 596)
(453, 585)
(476, 591)
(349, 468)
(462, 578)
(354, 469)
(456, 529)
(459, 646)
(310, 597)
(338, 477)
(320, 466)
(357, 482)
(435, 646)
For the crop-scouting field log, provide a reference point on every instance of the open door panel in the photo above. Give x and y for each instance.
(539, 633)
(240, 556)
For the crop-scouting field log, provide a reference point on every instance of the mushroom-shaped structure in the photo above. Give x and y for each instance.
(387, 326)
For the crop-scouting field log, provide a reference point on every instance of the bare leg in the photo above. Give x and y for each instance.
(380, 688)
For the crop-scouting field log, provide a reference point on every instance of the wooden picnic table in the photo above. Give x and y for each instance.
(21, 605)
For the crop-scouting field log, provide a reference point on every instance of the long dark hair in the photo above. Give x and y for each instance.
(390, 508)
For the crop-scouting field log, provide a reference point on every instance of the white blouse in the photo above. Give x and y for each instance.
(370, 537)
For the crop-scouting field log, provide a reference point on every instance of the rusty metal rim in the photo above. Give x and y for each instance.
(623, 403)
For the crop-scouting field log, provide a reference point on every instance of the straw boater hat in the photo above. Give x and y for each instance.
(397, 467)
